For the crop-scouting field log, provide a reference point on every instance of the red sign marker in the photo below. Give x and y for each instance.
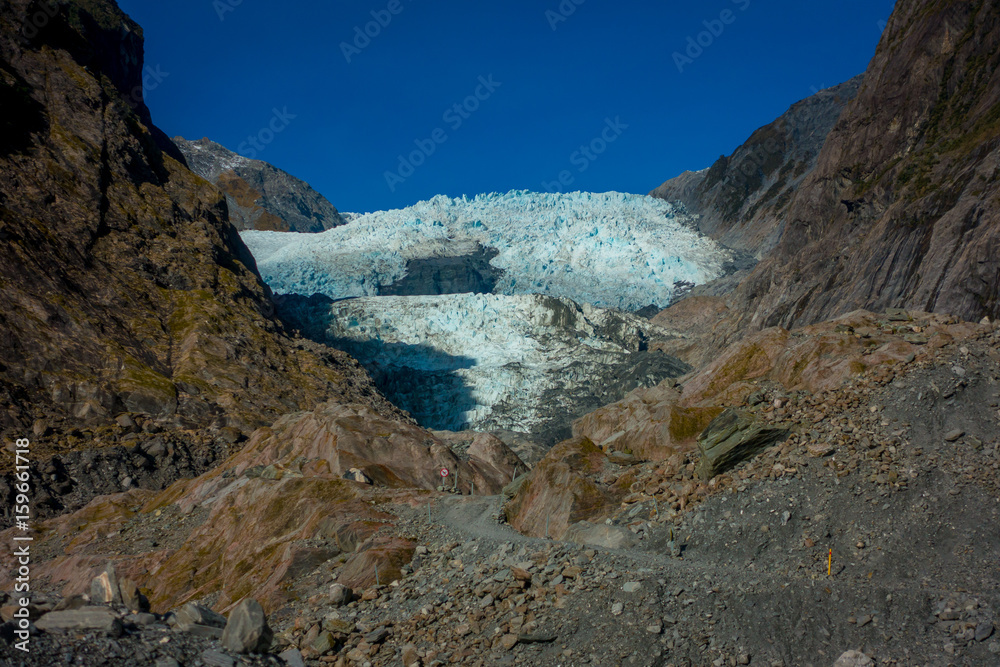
(444, 472)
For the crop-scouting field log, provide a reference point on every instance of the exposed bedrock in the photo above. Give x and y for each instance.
(447, 275)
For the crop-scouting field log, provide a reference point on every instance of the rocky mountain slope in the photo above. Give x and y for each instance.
(742, 199)
(260, 196)
(126, 289)
(900, 210)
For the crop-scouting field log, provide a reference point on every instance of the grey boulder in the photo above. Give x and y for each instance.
(98, 619)
(247, 630)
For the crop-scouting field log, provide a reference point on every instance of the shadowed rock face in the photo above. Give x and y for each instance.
(447, 275)
(743, 198)
(125, 287)
(260, 196)
(901, 208)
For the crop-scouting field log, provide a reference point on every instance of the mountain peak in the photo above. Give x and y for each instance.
(260, 196)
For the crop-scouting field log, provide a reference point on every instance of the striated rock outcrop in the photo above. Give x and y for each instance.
(650, 424)
(259, 195)
(560, 492)
(279, 509)
(335, 438)
(656, 423)
(125, 287)
(704, 426)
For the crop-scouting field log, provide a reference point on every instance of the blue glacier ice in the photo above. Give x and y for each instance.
(611, 250)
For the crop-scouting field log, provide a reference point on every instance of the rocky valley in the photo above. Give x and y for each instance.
(753, 419)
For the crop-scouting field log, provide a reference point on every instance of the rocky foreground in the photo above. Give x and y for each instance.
(649, 560)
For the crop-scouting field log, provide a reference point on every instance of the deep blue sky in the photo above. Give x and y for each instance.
(608, 60)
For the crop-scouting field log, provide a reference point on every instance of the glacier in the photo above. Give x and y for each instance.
(611, 250)
(526, 363)
(497, 312)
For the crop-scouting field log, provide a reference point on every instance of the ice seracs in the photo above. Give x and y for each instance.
(527, 363)
(546, 344)
(611, 250)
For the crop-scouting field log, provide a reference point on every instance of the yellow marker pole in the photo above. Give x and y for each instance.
(829, 564)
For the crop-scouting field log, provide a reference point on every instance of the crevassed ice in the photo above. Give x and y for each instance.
(458, 357)
(611, 250)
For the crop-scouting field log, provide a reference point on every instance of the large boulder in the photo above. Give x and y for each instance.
(561, 491)
(192, 614)
(731, 438)
(649, 424)
(380, 561)
(853, 659)
(88, 619)
(247, 630)
(107, 588)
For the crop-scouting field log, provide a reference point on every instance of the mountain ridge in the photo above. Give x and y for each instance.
(126, 288)
(260, 196)
(740, 199)
(901, 208)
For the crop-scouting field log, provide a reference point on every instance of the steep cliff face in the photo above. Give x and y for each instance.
(901, 209)
(260, 196)
(125, 287)
(743, 198)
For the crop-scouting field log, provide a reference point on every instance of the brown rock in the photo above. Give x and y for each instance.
(125, 283)
(649, 424)
(387, 554)
(845, 245)
(520, 575)
(559, 491)
(820, 449)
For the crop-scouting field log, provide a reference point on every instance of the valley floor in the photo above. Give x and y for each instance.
(895, 474)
